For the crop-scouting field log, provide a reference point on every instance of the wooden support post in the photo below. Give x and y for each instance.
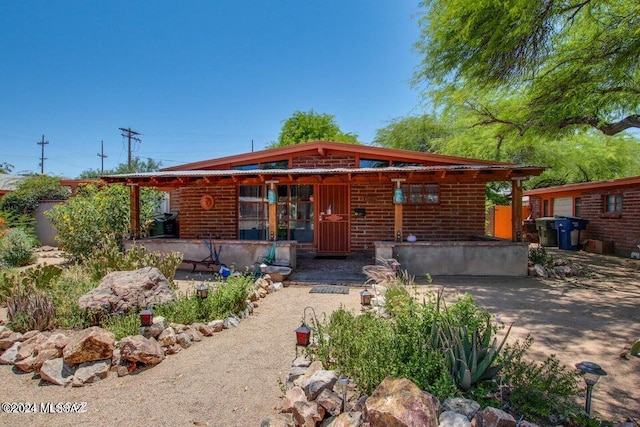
(397, 222)
(516, 209)
(273, 222)
(134, 215)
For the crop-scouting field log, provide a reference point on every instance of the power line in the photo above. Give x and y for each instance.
(42, 157)
(130, 135)
(102, 156)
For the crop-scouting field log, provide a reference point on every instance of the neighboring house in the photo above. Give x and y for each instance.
(8, 183)
(611, 207)
(331, 198)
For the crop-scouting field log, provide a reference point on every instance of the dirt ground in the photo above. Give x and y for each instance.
(232, 378)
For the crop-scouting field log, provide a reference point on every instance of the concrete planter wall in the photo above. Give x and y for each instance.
(458, 258)
(238, 253)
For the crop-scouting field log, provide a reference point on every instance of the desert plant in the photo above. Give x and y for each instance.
(65, 292)
(28, 309)
(16, 248)
(472, 353)
(40, 276)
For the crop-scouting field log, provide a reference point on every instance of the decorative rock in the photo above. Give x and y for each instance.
(173, 349)
(319, 381)
(179, 327)
(90, 372)
(330, 400)
(9, 356)
(278, 285)
(312, 369)
(90, 344)
(231, 322)
(493, 417)
(57, 340)
(262, 292)
(295, 373)
(459, 405)
(399, 402)
(278, 420)
(122, 371)
(56, 371)
(140, 349)
(194, 335)
(116, 358)
(128, 290)
(183, 340)
(34, 362)
(540, 270)
(253, 296)
(270, 288)
(159, 324)
(525, 423)
(217, 325)
(205, 330)
(307, 413)
(28, 347)
(167, 337)
(8, 339)
(29, 334)
(255, 305)
(453, 419)
(4, 330)
(262, 283)
(293, 395)
(346, 419)
(301, 361)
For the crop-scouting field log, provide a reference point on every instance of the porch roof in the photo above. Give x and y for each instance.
(448, 173)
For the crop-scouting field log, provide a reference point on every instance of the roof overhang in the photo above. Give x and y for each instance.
(412, 174)
(633, 181)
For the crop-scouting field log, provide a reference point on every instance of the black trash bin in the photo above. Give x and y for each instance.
(546, 227)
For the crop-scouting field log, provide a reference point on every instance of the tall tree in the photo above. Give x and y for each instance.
(416, 133)
(5, 167)
(312, 126)
(572, 63)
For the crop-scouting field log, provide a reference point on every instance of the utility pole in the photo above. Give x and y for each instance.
(42, 157)
(130, 135)
(102, 156)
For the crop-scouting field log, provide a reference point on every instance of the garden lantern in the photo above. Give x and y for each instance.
(303, 333)
(343, 384)
(202, 291)
(365, 297)
(398, 194)
(146, 317)
(592, 373)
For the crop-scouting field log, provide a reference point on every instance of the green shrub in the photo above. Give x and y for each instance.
(19, 220)
(539, 255)
(108, 257)
(28, 309)
(40, 276)
(122, 325)
(65, 292)
(96, 211)
(31, 190)
(542, 392)
(16, 248)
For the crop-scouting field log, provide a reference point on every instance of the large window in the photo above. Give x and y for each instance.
(252, 212)
(295, 212)
(421, 193)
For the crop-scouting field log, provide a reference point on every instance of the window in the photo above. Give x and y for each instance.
(373, 163)
(421, 193)
(278, 164)
(577, 204)
(252, 212)
(613, 203)
(295, 212)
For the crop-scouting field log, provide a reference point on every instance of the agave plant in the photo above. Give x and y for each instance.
(471, 354)
(28, 309)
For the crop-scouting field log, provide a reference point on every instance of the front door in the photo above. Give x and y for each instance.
(333, 219)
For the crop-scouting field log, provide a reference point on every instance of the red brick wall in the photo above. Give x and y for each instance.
(195, 222)
(314, 162)
(460, 215)
(623, 230)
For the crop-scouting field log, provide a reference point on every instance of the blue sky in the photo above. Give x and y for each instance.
(198, 79)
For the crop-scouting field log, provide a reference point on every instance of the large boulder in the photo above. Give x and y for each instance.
(397, 402)
(90, 344)
(127, 290)
(140, 349)
(494, 417)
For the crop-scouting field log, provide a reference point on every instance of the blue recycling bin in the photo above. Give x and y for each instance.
(568, 228)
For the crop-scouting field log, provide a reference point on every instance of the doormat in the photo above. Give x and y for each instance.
(329, 289)
(331, 257)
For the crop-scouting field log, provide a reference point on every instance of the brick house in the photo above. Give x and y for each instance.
(611, 207)
(331, 198)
